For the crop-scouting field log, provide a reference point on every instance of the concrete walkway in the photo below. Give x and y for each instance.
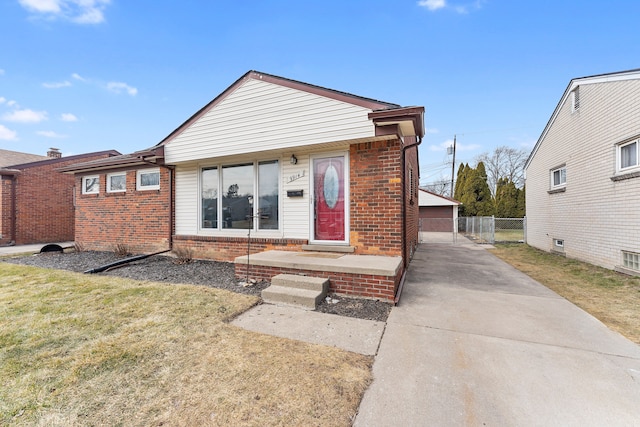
(475, 342)
(29, 249)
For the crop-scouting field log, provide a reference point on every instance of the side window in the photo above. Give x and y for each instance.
(148, 179)
(627, 155)
(91, 184)
(117, 182)
(558, 177)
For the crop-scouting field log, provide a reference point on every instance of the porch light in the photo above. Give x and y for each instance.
(294, 159)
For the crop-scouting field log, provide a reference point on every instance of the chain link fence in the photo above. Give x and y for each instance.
(488, 229)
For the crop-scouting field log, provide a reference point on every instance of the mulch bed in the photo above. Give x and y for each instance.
(197, 272)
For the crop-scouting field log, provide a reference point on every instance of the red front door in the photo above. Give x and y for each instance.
(329, 207)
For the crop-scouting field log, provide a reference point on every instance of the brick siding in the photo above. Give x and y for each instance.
(138, 220)
(44, 202)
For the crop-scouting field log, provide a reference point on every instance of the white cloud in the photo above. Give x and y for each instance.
(78, 11)
(57, 85)
(433, 4)
(78, 77)
(68, 117)
(50, 134)
(2, 100)
(11, 103)
(26, 116)
(119, 87)
(7, 134)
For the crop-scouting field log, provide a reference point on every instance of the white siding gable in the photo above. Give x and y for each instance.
(427, 199)
(259, 116)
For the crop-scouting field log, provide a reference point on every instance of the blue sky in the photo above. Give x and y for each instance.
(92, 75)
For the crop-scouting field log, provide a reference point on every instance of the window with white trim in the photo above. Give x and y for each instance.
(631, 260)
(148, 179)
(558, 177)
(627, 155)
(91, 184)
(240, 196)
(117, 182)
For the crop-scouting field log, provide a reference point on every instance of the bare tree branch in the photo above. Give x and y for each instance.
(504, 162)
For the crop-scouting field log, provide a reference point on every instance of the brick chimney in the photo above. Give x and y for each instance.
(54, 153)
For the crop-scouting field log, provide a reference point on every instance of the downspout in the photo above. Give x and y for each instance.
(405, 262)
(171, 171)
(14, 210)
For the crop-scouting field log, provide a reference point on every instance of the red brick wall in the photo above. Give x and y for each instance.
(228, 248)
(412, 208)
(44, 202)
(137, 219)
(376, 198)
(5, 209)
(363, 285)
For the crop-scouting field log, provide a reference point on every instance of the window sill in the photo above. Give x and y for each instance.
(623, 176)
(557, 190)
(625, 270)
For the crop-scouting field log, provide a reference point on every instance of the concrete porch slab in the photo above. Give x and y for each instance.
(356, 335)
(339, 263)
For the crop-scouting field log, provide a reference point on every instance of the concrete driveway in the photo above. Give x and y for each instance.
(475, 342)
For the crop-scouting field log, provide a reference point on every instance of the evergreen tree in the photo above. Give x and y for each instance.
(506, 200)
(521, 210)
(460, 179)
(475, 196)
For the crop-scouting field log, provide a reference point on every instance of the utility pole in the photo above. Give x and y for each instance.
(453, 165)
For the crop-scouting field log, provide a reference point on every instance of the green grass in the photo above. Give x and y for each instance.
(93, 350)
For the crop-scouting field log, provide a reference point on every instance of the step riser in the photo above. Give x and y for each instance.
(280, 296)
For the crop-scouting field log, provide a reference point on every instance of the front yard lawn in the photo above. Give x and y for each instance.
(613, 298)
(88, 350)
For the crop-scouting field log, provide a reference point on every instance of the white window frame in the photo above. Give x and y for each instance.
(631, 260)
(111, 175)
(84, 185)
(559, 170)
(220, 230)
(619, 147)
(558, 243)
(139, 173)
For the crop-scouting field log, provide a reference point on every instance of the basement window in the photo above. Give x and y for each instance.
(90, 184)
(558, 244)
(117, 182)
(148, 179)
(631, 260)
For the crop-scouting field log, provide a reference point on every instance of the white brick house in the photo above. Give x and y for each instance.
(583, 175)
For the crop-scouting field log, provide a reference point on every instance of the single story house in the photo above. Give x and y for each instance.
(437, 213)
(36, 201)
(583, 175)
(269, 166)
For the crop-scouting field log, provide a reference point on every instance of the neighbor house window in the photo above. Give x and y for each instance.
(559, 177)
(240, 196)
(91, 184)
(628, 155)
(631, 260)
(148, 179)
(575, 100)
(117, 182)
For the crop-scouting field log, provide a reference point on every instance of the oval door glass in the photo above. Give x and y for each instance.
(329, 203)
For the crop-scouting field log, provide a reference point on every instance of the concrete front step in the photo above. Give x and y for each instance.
(300, 291)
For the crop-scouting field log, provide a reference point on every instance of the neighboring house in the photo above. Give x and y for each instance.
(583, 175)
(437, 213)
(36, 201)
(304, 168)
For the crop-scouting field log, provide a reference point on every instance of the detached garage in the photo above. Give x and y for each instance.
(437, 213)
